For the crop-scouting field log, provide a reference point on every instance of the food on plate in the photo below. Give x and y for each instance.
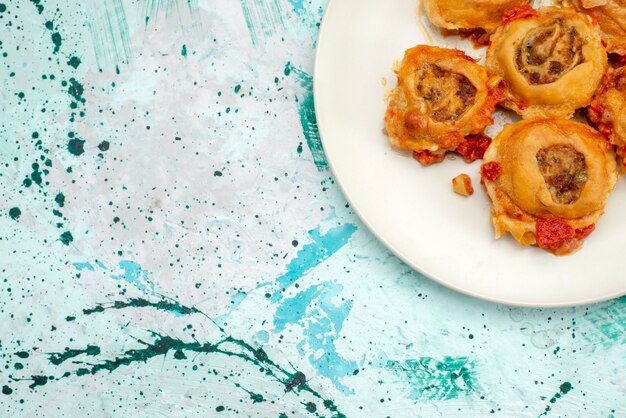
(462, 184)
(611, 16)
(469, 14)
(608, 110)
(550, 60)
(442, 96)
(548, 182)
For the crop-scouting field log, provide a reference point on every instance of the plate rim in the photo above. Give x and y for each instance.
(420, 269)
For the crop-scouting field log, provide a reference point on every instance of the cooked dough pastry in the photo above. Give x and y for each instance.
(442, 96)
(548, 181)
(611, 16)
(608, 111)
(551, 62)
(469, 14)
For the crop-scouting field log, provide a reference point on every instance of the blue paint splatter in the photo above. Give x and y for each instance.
(134, 274)
(322, 321)
(83, 266)
(311, 255)
(298, 6)
(263, 336)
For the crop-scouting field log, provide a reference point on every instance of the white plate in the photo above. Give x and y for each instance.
(411, 208)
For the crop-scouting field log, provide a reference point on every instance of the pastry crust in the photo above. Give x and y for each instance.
(551, 62)
(608, 110)
(469, 14)
(555, 171)
(442, 96)
(611, 16)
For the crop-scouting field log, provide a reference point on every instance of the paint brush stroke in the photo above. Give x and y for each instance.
(432, 380)
(606, 325)
(152, 9)
(110, 35)
(313, 254)
(308, 120)
(263, 18)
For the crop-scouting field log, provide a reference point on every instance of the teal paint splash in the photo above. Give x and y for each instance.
(322, 321)
(76, 146)
(38, 5)
(264, 18)
(563, 390)
(308, 120)
(162, 345)
(59, 358)
(74, 62)
(76, 90)
(57, 40)
(60, 199)
(312, 254)
(432, 380)
(66, 238)
(15, 213)
(161, 305)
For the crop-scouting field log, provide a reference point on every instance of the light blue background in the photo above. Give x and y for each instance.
(195, 257)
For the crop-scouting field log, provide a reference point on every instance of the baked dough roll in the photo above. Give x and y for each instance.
(441, 97)
(548, 182)
(611, 16)
(608, 111)
(551, 61)
(469, 14)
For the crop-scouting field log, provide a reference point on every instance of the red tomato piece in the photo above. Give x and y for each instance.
(550, 233)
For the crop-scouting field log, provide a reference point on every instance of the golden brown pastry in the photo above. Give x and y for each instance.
(548, 181)
(611, 16)
(550, 60)
(608, 110)
(469, 14)
(442, 96)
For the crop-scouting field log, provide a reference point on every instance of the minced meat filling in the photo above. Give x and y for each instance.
(447, 94)
(564, 170)
(548, 52)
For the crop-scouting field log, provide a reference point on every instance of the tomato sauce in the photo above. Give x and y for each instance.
(518, 12)
(490, 170)
(473, 147)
